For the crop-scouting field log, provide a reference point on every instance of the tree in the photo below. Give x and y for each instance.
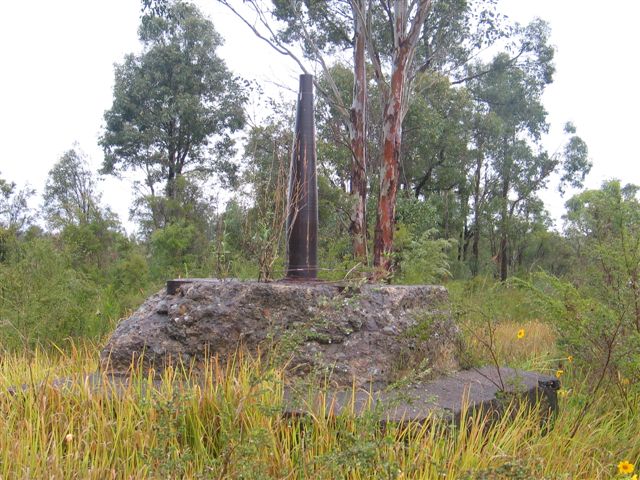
(484, 128)
(90, 233)
(435, 153)
(435, 136)
(70, 195)
(403, 39)
(511, 94)
(175, 105)
(14, 211)
(392, 32)
(413, 37)
(604, 228)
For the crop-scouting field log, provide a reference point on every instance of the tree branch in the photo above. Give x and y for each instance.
(272, 42)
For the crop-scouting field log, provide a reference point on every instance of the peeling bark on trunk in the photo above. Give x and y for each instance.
(392, 140)
(357, 133)
(406, 32)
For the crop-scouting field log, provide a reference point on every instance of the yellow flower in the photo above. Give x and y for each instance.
(570, 359)
(562, 393)
(520, 334)
(635, 477)
(559, 373)
(625, 468)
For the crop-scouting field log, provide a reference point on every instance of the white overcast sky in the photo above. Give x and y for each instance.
(56, 64)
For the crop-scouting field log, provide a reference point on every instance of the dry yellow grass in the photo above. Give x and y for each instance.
(231, 427)
(536, 348)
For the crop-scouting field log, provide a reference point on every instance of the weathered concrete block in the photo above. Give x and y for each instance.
(355, 333)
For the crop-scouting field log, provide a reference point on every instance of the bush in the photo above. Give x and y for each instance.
(424, 260)
(177, 250)
(42, 298)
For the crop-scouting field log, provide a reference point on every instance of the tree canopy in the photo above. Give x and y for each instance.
(14, 210)
(175, 105)
(70, 194)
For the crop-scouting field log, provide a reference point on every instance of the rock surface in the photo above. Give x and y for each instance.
(485, 389)
(362, 333)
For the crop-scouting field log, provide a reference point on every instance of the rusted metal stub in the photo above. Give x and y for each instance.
(176, 284)
(302, 207)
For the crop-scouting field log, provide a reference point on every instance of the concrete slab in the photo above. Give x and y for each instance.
(487, 389)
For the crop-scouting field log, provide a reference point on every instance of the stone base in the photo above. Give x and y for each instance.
(484, 389)
(353, 334)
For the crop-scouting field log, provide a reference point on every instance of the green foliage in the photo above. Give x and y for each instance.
(14, 211)
(43, 298)
(471, 169)
(417, 216)
(604, 228)
(75, 284)
(585, 326)
(130, 272)
(436, 135)
(70, 195)
(537, 248)
(189, 204)
(175, 250)
(175, 109)
(597, 316)
(172, 99)
(91, 246)
(424, 259)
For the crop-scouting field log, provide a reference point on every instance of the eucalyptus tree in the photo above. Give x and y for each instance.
(512, 95)
(176, 104)
(72, 207)
(435, 152)
(70, 194)
(402, 39)
(15, 213)
(484, 126)
(436, 134)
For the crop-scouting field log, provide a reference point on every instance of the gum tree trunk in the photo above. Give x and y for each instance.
(407, 21)
(357, 133)
(392, 141)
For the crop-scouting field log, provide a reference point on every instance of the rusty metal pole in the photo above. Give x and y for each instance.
(302, 206)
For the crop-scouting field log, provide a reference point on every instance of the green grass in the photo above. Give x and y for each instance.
(230, 426)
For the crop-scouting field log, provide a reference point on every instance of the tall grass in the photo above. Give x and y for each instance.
(228, 423)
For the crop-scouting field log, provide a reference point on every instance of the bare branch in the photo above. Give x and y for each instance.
(272, 42)
(339, 104)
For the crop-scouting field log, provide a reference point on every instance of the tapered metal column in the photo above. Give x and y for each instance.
(302, 207)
